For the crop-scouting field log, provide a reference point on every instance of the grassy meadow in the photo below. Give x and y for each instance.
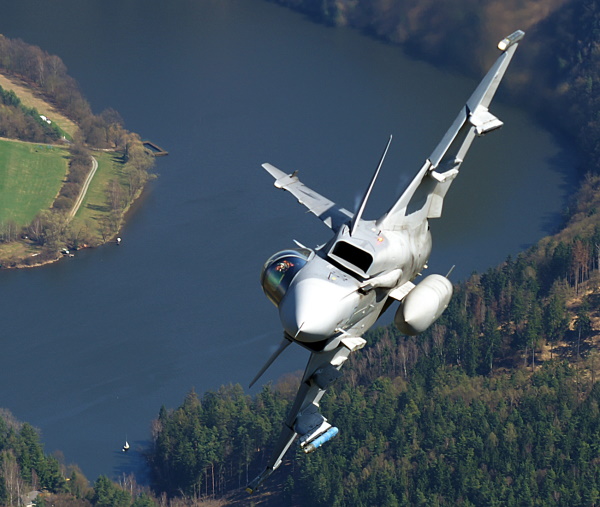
(95, 209)
(31, 176)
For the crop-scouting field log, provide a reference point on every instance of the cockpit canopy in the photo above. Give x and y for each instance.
(279, 271)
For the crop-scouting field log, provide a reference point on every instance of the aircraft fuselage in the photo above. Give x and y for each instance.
(343, 286)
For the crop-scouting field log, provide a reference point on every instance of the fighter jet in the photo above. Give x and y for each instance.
(329, 296)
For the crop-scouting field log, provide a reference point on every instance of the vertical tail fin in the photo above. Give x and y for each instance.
(363, 204)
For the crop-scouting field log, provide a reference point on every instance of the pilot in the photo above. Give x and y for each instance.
(283, 266)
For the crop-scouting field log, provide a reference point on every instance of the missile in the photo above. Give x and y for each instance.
(513, 38)
(318, 442)
(423, 305)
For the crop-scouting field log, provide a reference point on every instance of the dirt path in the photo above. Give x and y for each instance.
(84, 189)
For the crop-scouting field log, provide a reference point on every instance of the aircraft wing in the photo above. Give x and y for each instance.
(423, 198)
(304, 418)
(331, 215)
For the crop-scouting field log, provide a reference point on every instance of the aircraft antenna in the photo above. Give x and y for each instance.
(363, 204)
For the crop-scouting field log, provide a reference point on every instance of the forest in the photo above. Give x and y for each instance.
(496, 404)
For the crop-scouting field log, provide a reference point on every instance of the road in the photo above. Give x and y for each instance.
(84, 188)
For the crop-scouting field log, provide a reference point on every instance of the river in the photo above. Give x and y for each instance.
(91, 347)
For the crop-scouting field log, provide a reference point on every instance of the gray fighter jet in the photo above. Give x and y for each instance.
(329, 296)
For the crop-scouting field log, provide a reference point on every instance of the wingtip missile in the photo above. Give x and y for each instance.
(513, 38)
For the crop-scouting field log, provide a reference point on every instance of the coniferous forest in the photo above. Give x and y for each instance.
(496, 404)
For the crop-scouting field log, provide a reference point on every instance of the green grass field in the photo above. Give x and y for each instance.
(95, 207)
(31, 176)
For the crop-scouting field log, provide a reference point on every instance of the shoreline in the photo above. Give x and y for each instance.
(131, 208)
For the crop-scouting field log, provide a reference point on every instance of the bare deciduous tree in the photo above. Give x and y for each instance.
(9, 469)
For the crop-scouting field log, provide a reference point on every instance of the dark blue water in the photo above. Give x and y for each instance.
(92, 347)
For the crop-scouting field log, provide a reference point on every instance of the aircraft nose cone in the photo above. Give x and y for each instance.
(311, 310)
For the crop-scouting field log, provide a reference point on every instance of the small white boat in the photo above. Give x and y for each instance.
(126, 446)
